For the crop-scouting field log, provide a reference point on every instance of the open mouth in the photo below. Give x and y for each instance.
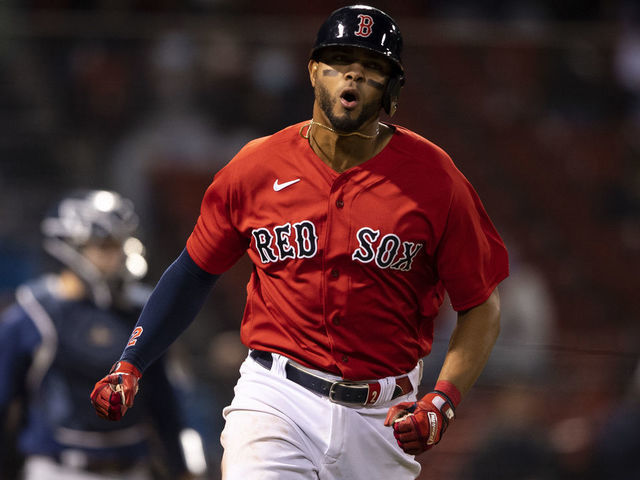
(349, 99)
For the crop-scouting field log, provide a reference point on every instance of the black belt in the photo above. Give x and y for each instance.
(341, 391)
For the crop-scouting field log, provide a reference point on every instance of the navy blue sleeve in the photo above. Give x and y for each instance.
(172, 306)
(18, 340)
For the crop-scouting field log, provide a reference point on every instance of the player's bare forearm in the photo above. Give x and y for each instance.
(471, 343)
(418, 426)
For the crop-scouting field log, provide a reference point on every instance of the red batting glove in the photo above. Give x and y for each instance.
(113, 395)
(420, 425)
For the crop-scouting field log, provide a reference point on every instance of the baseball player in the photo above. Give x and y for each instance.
(64, 330)
(356, 227)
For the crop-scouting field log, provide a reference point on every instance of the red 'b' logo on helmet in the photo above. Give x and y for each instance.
(364, 27)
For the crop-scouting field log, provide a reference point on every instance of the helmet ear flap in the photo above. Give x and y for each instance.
(392, 94)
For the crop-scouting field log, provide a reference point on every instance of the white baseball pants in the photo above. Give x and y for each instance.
(278, 430)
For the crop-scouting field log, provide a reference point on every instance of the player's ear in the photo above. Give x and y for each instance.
(313, 69)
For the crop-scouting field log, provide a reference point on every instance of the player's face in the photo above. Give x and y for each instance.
(108, 256)
(348, 84)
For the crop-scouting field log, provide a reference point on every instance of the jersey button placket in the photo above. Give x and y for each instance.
(337, 282)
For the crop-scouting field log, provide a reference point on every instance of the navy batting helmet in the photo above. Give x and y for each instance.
(366, 27)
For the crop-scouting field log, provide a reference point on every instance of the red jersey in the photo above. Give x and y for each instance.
(350, 268)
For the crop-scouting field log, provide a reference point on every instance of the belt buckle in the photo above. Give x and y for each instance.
(332, 393)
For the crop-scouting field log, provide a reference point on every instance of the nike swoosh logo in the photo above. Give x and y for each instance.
(279, 186)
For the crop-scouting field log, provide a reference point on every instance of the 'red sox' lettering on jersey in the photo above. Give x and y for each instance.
(385, 252)
(282, 243)
(393, 232)
(285, 242)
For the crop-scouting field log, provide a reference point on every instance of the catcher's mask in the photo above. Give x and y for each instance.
(369, 28)
(91, 217)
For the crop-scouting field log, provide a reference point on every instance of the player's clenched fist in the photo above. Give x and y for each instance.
(113, 395)
(419, 425)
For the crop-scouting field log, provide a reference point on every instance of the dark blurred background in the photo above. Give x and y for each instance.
(537, 102)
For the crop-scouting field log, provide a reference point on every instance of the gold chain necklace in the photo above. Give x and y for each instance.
(312, 123)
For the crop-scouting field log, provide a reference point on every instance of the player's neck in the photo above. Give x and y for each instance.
(341, 152)
(71, 287)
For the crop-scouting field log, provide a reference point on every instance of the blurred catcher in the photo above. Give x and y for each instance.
(63, 330)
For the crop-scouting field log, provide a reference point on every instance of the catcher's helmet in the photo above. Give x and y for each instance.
(92, 216)
(366, 27)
